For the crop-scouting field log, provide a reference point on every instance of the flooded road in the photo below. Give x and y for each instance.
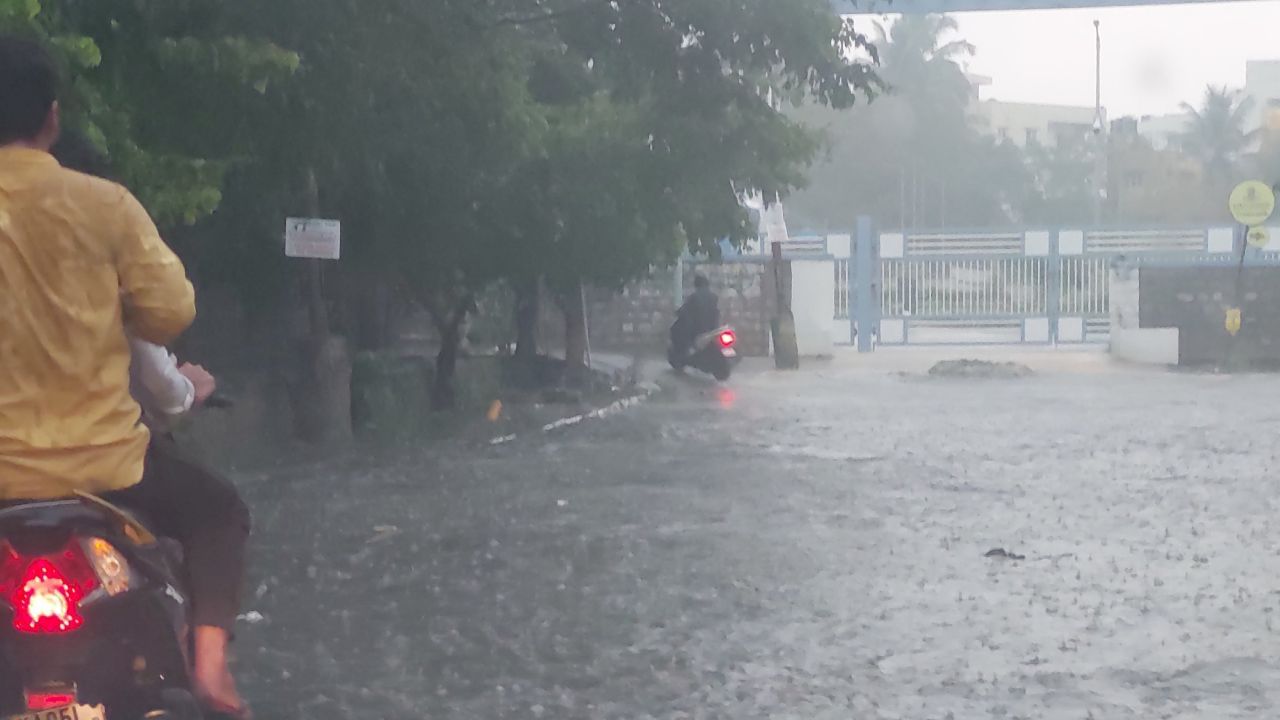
(814, 545)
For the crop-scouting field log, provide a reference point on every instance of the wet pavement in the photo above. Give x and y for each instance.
(810, 545)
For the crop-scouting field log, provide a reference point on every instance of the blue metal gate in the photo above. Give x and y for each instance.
(1035, 285)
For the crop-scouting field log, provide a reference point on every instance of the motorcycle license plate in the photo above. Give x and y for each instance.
(66, 712)
(729, 352)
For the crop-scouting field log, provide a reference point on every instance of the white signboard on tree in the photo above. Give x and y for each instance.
(773, 224)
(313, 238)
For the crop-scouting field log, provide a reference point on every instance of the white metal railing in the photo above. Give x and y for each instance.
(805, 245)
(964, 244)
(842, 268)
(1084, 286)
(1145, 241)
(972, 287)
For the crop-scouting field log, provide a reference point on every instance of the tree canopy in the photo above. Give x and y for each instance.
(461, 142)
(1216, 134)
(913, 157)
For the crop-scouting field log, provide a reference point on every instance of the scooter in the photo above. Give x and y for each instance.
(93, 616)
(712, 352)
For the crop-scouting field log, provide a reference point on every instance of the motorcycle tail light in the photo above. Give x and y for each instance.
(49, 700)
(110, 566)
(47, 603)
(45, 592)
(727, 338)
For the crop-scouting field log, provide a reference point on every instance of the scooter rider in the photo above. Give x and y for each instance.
(699, 314)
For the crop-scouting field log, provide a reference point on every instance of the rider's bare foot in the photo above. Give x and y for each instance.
(214, 686)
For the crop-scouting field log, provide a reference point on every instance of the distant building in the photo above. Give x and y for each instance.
(1026, 124)
(1262, 84)
(1163, 131)
(1149, 182)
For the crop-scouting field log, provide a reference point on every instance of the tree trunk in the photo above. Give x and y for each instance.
(321, 387)
(448, 321)
(376, 306)
(444, 396)
(321, 391)
(528, 311)
(575, 332)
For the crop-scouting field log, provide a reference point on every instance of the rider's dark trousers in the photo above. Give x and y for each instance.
(203, 511)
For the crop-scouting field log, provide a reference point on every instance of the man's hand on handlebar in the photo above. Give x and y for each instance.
(201, 380)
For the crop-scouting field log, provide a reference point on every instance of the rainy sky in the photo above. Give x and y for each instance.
(1154, 57)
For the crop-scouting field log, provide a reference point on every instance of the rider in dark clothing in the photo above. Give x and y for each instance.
(699, 314)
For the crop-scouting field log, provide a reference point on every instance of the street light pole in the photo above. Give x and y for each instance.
(1099, 130)
(1097, 32)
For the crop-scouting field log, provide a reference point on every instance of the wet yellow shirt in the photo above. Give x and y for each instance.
(77, 256)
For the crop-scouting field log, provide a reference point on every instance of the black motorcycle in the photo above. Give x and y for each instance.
(93, 616)
(712, 352)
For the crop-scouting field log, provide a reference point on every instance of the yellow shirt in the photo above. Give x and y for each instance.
(77, 256)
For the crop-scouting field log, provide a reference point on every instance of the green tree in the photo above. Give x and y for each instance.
(658, 113)
(1061, 174)
(1216, 134)
(918, 54)
(913, 157)
(403, 121)
(140, 81)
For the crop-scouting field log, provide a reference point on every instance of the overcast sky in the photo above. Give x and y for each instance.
(1154, 57)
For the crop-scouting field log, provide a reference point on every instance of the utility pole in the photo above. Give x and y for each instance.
(1099, 131)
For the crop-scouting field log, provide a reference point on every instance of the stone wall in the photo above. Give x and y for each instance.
(1195, 300)
(746, 295)
(637, 319)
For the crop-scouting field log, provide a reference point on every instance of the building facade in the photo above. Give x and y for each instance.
(1026, 124)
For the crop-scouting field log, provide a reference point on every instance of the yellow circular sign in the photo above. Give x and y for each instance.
(1252, 202)
(1258, 236)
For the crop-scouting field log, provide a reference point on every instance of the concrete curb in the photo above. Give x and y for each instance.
(647, 390)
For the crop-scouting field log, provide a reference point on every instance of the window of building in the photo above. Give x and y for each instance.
(1033, 136)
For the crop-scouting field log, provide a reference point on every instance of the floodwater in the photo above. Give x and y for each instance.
(811, 545)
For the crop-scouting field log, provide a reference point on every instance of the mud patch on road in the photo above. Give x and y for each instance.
(980, 369)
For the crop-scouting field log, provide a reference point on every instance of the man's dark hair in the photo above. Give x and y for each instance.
(701, 282)
(74, 151)
(28, 88)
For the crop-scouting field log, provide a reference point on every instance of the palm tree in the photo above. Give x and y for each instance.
(918, 60)
(1216, 135)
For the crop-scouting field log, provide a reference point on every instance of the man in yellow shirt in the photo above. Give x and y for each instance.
(80, 260)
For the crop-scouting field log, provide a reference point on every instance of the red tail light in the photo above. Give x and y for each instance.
(49, 700)
(727, 338)
(45, 592)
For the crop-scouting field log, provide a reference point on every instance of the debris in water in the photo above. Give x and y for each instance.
(253, 617)
(1002, 553)
(979, 369)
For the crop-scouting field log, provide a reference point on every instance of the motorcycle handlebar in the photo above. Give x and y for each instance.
(218, 401)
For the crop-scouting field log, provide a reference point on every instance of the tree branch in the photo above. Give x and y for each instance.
(546, 16)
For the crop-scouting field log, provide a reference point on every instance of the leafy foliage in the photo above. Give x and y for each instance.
(461, 142)
(913, 157)
(1216, 133)
(138, 82)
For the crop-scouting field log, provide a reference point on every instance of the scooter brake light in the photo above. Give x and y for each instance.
(47, 602)
(727, 338)
(45, 592)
